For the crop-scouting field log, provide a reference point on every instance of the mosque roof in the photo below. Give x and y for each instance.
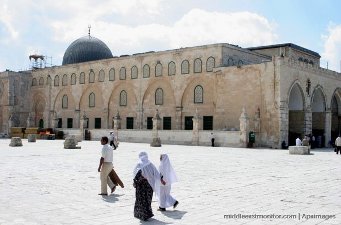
(86, 49)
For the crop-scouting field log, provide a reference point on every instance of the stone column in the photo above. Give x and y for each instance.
(78, 117)
(256, 122)
(55, 121)
(327, 127)
(308, 125)
(10, 124)
(140, 118)
(195, 133)
(117, 124)
(83, 124)
(156, 126)
(284, 123)
(178, 118)
(244, 128)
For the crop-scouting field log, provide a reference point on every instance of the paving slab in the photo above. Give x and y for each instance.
(43, 183)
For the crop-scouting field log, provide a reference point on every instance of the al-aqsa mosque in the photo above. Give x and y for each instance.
(278, 92)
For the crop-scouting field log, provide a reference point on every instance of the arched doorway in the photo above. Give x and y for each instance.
(296, 114)
(41, 123)
(318, 110)
(336, 115)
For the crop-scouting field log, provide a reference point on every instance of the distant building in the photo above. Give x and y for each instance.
(284, 90)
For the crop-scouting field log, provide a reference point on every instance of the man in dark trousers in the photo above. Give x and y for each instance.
(212, 139)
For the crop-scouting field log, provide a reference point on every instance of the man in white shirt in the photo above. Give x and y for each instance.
(338, 144)
(105, 166)
(298, 141)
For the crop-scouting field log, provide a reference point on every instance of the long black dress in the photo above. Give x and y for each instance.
(144, 194)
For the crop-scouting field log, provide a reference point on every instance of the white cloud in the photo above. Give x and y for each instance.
(332, 47)
(6, 18)
(197, 27)
(242, 28)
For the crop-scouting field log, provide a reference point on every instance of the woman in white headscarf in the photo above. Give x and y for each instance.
(168, 175)
(146, 180)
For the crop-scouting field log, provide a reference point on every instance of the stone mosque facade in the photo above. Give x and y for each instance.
(280, 89)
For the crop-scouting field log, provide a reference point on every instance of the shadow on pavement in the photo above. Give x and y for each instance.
(154, 222)
(111, 198)
(175, 214)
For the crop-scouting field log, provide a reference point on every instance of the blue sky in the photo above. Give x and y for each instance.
(48, 27)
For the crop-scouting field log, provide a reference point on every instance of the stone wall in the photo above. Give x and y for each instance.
(173, 137)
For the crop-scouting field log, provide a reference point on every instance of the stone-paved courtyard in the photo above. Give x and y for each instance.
(43, 183)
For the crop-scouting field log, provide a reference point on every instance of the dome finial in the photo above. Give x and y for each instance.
(89, 26)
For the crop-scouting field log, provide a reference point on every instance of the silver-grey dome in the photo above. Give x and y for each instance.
(86, 49)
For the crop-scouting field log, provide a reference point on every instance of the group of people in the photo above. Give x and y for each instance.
(146, 180)
(308, 140)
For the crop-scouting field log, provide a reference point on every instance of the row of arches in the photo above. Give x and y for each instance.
(312, 114)
(124, 99)
(198, 97)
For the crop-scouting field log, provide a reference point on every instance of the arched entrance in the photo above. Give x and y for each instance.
(296, 114)
(318, 110)
(336, 115)
(41, 123)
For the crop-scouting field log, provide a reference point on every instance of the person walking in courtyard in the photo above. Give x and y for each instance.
(298, 141)
(212, 139)
(168, 175)
(105, 166)
(112, 139)
(338, 144)
(146, 180)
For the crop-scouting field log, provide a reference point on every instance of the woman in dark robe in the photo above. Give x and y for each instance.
(146, 180)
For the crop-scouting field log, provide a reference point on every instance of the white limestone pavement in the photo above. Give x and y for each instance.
(43, 183)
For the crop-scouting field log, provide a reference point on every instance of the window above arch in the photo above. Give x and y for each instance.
(134, 72)
(112, 74)
(210, 64)
(158, 69)
(73, 79)
(41, 81)
(34, 82)
(171, 68)
(185, 67)
(122, 73)
(91, 77)
(197, 66)
(101, 76)
(146, 71)
(198, 94)
(123, 98)
(92, 100)
(159, 96)
(56, 80)
(64, 80)
(82, 78)
(65, 102)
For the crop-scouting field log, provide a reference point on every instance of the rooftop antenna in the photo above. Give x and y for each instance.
(89, 26)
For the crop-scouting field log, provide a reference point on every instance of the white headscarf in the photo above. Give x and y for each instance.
(166, 170)
(149, 172)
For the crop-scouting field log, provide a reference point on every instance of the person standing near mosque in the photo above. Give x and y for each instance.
(338, 144)
(112, 139)
(298, 141)
(167, 173)
(212, 139)
(105, 166)
(146, 180)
